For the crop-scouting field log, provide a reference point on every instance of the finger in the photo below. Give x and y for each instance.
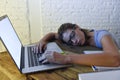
(36, 49)
(42, 58)
(40, 48)
(44, 48)
(45, 61)
(33, 49)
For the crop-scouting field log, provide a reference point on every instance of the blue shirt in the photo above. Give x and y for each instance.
(98, 35)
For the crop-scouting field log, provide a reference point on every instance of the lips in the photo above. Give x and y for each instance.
(78, 42)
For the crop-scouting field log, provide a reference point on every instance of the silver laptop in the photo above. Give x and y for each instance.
(23, 56)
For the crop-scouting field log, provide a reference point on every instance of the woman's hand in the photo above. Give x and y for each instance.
(39, 47)
(54, 57)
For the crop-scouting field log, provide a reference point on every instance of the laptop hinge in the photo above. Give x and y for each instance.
(22, 58)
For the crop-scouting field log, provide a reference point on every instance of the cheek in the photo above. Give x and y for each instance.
(78, 37)
(81, 36)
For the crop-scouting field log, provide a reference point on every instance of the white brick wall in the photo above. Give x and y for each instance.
(96, 14)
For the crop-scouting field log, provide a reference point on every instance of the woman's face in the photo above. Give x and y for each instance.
(74, 37)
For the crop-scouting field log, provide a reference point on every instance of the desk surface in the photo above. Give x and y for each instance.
(9, 71)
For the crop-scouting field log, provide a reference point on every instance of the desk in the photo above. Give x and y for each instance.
(9, 71)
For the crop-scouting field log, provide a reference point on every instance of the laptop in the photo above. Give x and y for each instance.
(25, 59)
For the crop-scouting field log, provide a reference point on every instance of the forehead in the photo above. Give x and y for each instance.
(66, 35)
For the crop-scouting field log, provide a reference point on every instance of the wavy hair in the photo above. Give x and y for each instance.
(67, 26)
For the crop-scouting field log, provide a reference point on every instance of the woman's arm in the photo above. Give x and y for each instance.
(41, 45)
(109, 57)
(94, 59)
(50, 37)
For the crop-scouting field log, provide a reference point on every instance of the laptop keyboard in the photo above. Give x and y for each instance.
(33, 58)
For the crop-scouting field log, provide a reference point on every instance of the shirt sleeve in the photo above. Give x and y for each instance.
(98, 35)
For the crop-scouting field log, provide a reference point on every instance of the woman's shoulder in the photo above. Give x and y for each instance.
(98, 35)
(101, 32)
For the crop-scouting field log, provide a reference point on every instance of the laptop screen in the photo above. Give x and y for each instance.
(10, 40)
